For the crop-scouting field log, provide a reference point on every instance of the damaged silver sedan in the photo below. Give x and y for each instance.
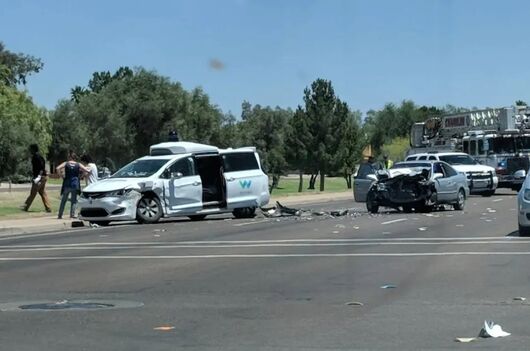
(419, 186)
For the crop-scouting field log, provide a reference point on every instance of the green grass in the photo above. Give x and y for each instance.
(10, 204)
(289, 186)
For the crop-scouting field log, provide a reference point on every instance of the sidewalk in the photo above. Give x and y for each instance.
(51, 223)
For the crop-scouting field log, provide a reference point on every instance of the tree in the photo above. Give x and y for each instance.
(320, 102)
(347, 150)
(298, 144)
(16, 67)
(520, 103)
(266, 128)
(21, 124)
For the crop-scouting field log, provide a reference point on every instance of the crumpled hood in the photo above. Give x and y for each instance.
(474, 168)
(112, 184)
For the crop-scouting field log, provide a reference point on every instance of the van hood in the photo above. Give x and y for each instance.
(113, 184)
(473, 168)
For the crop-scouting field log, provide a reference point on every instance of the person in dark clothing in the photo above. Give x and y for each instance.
(71, 183)
(39, 179)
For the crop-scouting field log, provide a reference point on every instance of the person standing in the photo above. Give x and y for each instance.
(71, 183)
(92, 176)
(39, 179)
(387, 163)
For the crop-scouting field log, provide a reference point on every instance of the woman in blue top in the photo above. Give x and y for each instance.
(71, 183)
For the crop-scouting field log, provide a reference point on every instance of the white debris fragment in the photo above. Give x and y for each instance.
(465, 339)
(493, 330)
(422, 229)
(355, 227)
(354, 303)
(519, 298)
(335, 232)
(340, 226)
(157, 235)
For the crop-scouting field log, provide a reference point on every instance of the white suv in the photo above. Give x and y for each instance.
(179, 179)
(481, 179)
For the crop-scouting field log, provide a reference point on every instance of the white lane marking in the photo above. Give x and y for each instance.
(374, 254)
(495, 238)
(250, 223)
(497, 200)
(395, 221)
(114, 247)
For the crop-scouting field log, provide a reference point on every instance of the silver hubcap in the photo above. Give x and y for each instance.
(148, 208)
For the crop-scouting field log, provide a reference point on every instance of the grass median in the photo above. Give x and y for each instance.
(288, 186)
(10, 202)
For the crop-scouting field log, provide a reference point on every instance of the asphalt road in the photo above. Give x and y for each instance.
(275, 284)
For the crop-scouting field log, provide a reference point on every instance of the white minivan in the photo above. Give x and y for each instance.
(179, 179)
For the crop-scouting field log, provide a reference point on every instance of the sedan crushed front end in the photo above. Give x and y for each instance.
(404, 191)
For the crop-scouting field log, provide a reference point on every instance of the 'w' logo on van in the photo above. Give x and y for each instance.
(245, 184)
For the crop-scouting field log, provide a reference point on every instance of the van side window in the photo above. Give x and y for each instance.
(240, 161)
(411, 158)
(422, 158)
(185, 166)
(432, 158)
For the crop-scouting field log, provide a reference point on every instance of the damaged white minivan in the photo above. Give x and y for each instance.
(179, 179)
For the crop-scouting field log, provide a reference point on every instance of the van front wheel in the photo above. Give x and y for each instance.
(245, 212)
(149, 210)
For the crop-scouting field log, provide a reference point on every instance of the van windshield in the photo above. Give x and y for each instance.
(140, 169)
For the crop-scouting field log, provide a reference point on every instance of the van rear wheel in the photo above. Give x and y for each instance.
(245, 212)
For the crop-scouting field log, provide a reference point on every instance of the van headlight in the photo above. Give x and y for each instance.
(121, 192)
(526, 194)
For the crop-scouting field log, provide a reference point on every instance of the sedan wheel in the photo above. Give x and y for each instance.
(460, 201)
(149, 210)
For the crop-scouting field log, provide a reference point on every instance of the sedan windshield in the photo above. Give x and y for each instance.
(458, 159)
(140, 169)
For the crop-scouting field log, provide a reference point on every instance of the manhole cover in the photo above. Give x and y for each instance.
(65, 305)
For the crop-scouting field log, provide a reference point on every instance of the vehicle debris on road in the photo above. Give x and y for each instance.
(492, 330)
(283, 211)
(519, 298)
(389, 286)
(354, 303)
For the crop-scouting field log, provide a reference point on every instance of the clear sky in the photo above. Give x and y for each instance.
(465, 53)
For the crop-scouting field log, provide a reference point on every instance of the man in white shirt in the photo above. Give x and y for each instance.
(92, 176)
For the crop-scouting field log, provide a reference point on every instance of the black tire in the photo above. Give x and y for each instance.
(101, 223)
(148, 210)
(524, 231)
(245, 212)
(407, 208)
(371, 204)
(488, 193)
(461, 201)
(197, 217)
